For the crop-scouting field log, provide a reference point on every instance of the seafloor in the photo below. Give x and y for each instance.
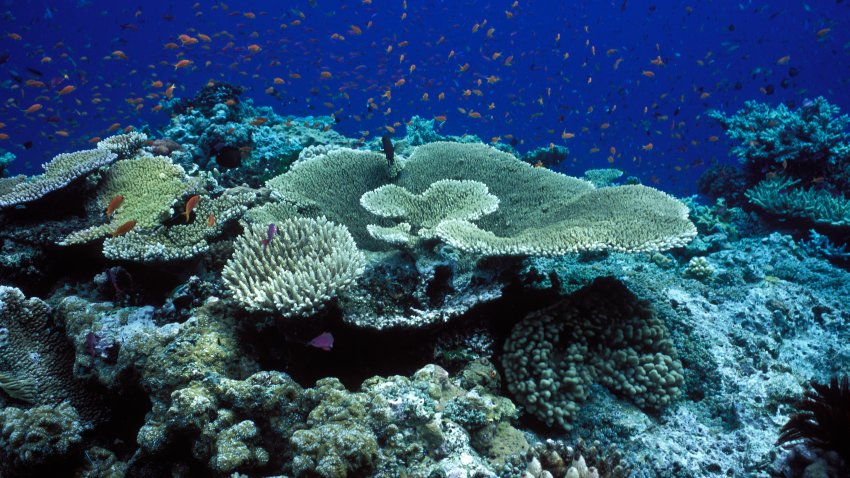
(246, 294)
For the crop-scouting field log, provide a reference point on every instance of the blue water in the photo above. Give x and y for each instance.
(561, 79)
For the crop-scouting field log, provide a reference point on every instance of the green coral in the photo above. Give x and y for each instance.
(151, 185)
(625, 218)
(182, 241)
(295, 273)
(443, 200)
(542, 212)
(601, 334)
(332, 184)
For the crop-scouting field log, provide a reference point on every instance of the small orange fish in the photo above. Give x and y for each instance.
(210, 220)
(119, 54)
(254, 48)
(440, 118)
(157, 84)
(566, 135)
(325, 75)
(113, 127)
(259, 120)
(169, 92)
(32, 109)
(14, 36)
(182, 63)
(657, 61)
(190, 204)
(4, 136)
(114, 204)
(278, 80)
(648, 74)
(822, 32)
(124, 228)
(784, 60)
(647, 147)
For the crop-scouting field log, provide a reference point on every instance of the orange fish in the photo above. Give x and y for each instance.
(190, 204)
(114, 204)
(157, 84)
(182, 63)
(210, 220)
(278, 80)
(566, 135)
(822, 32)
(35, 107)
(784, 60)
(124, 228)
(169, 92)
(4, 136)
(259, 120)
(14, 36)
(119, 54)
(35, 83)
(657, 61)
(254, 48)
(647, 147)
(325, 75)
(648, 74)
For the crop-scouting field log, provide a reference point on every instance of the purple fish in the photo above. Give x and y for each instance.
(92, 340)
(324, 341)
(272, 232)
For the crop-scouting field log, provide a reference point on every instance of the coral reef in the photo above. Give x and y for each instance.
(58, 173)
(293, 268)
(601, 334)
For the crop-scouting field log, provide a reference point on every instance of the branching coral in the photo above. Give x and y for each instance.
(296, 272)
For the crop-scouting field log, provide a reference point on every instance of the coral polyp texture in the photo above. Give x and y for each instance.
(58, 173)
(603, 335)
(293, 269)
(149, 186)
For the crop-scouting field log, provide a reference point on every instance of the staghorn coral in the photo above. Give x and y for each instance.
(150, 186)
(779, 196)
(182, 241)
(58, 173)
(297, 273)
(805, 143)
(601, 334)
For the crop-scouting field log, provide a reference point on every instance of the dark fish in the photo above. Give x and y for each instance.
(228, 157)
(34, 71)
(27, 144)
(389, 150)
(129, 26)
(792, 72)
(4, 57)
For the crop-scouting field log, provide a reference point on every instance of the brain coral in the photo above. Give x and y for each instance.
(602, 334)
(296, 272)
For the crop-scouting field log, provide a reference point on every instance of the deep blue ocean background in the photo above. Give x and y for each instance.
(580, 68)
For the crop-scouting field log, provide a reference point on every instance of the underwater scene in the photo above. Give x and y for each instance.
(425, 239)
